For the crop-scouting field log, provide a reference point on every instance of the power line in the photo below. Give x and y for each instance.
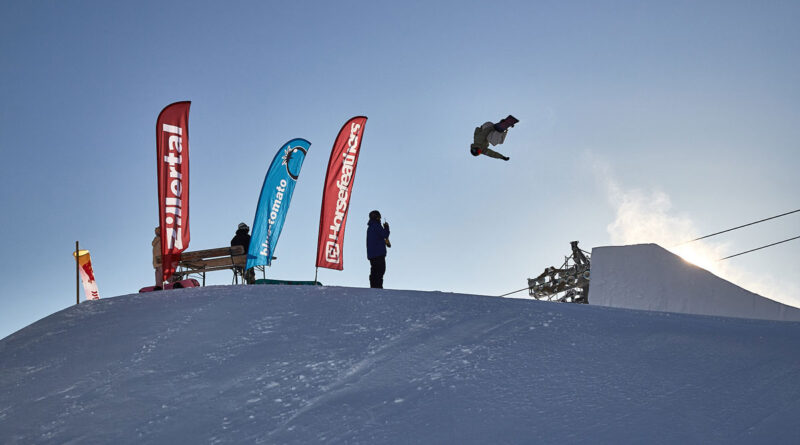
(739, 227)
(759, 248)
(514, 292)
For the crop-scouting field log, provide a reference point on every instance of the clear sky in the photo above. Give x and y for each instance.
(640, 122)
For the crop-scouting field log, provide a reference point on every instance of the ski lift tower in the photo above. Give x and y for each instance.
(567, 284)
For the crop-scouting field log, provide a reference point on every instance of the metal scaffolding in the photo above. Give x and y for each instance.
(566, 284)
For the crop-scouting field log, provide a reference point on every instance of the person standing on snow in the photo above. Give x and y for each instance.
(157, 258)
(242, 238)
(491, 133)
(376, 248)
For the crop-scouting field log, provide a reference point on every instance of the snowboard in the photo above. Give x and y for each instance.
(506, 123)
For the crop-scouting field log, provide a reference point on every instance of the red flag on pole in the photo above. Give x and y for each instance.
(87, 274)
(336, 194)
(172, 162)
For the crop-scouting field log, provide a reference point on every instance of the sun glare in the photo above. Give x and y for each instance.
(698, 255)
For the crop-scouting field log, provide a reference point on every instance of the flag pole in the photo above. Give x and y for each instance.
(77, 276)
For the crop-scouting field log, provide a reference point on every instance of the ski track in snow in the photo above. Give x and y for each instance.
(449, 340)
(352, 374)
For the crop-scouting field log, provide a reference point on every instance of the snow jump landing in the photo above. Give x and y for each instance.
(647, 276)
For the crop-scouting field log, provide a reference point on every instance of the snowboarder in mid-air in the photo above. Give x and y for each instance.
(491, 133)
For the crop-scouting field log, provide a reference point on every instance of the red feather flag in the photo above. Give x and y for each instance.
(172, 162)
(336, 193)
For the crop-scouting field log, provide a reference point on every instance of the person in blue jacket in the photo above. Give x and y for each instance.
(377, 237)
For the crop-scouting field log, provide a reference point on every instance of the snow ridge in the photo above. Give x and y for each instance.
(300, 364)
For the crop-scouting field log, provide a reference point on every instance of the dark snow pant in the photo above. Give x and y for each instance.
(376, 271)
(248, 276)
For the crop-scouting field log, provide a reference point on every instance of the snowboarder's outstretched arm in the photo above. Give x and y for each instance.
(493, 154)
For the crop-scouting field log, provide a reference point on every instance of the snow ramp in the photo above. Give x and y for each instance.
(648, 277)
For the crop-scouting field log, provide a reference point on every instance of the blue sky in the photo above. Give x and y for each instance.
(640, 122)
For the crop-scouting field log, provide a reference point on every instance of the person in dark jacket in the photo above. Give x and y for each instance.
(376, 248)
(242, 238)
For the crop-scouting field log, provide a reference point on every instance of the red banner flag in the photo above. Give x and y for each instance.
(336, 194)
(172, 163)
(87, 274)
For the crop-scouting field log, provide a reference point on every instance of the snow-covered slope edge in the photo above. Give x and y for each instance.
(277, 364)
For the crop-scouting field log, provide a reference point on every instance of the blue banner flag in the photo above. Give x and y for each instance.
(276, 194)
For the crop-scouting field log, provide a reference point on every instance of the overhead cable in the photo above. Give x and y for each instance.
(759, 248)
(739, 227)
(514, 292)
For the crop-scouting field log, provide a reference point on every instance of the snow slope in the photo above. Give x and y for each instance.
(282, 364)
(647, 276)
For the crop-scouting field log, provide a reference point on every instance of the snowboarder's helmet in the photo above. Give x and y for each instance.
(374, 214)
(474, 150)
(243, 226)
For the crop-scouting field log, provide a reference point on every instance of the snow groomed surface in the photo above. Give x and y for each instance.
(307, 364)
(647, 276)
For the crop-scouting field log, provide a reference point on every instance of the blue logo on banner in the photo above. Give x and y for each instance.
(276, 194)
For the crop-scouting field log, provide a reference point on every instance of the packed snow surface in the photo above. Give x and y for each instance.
(304, 364)
(647, 276)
